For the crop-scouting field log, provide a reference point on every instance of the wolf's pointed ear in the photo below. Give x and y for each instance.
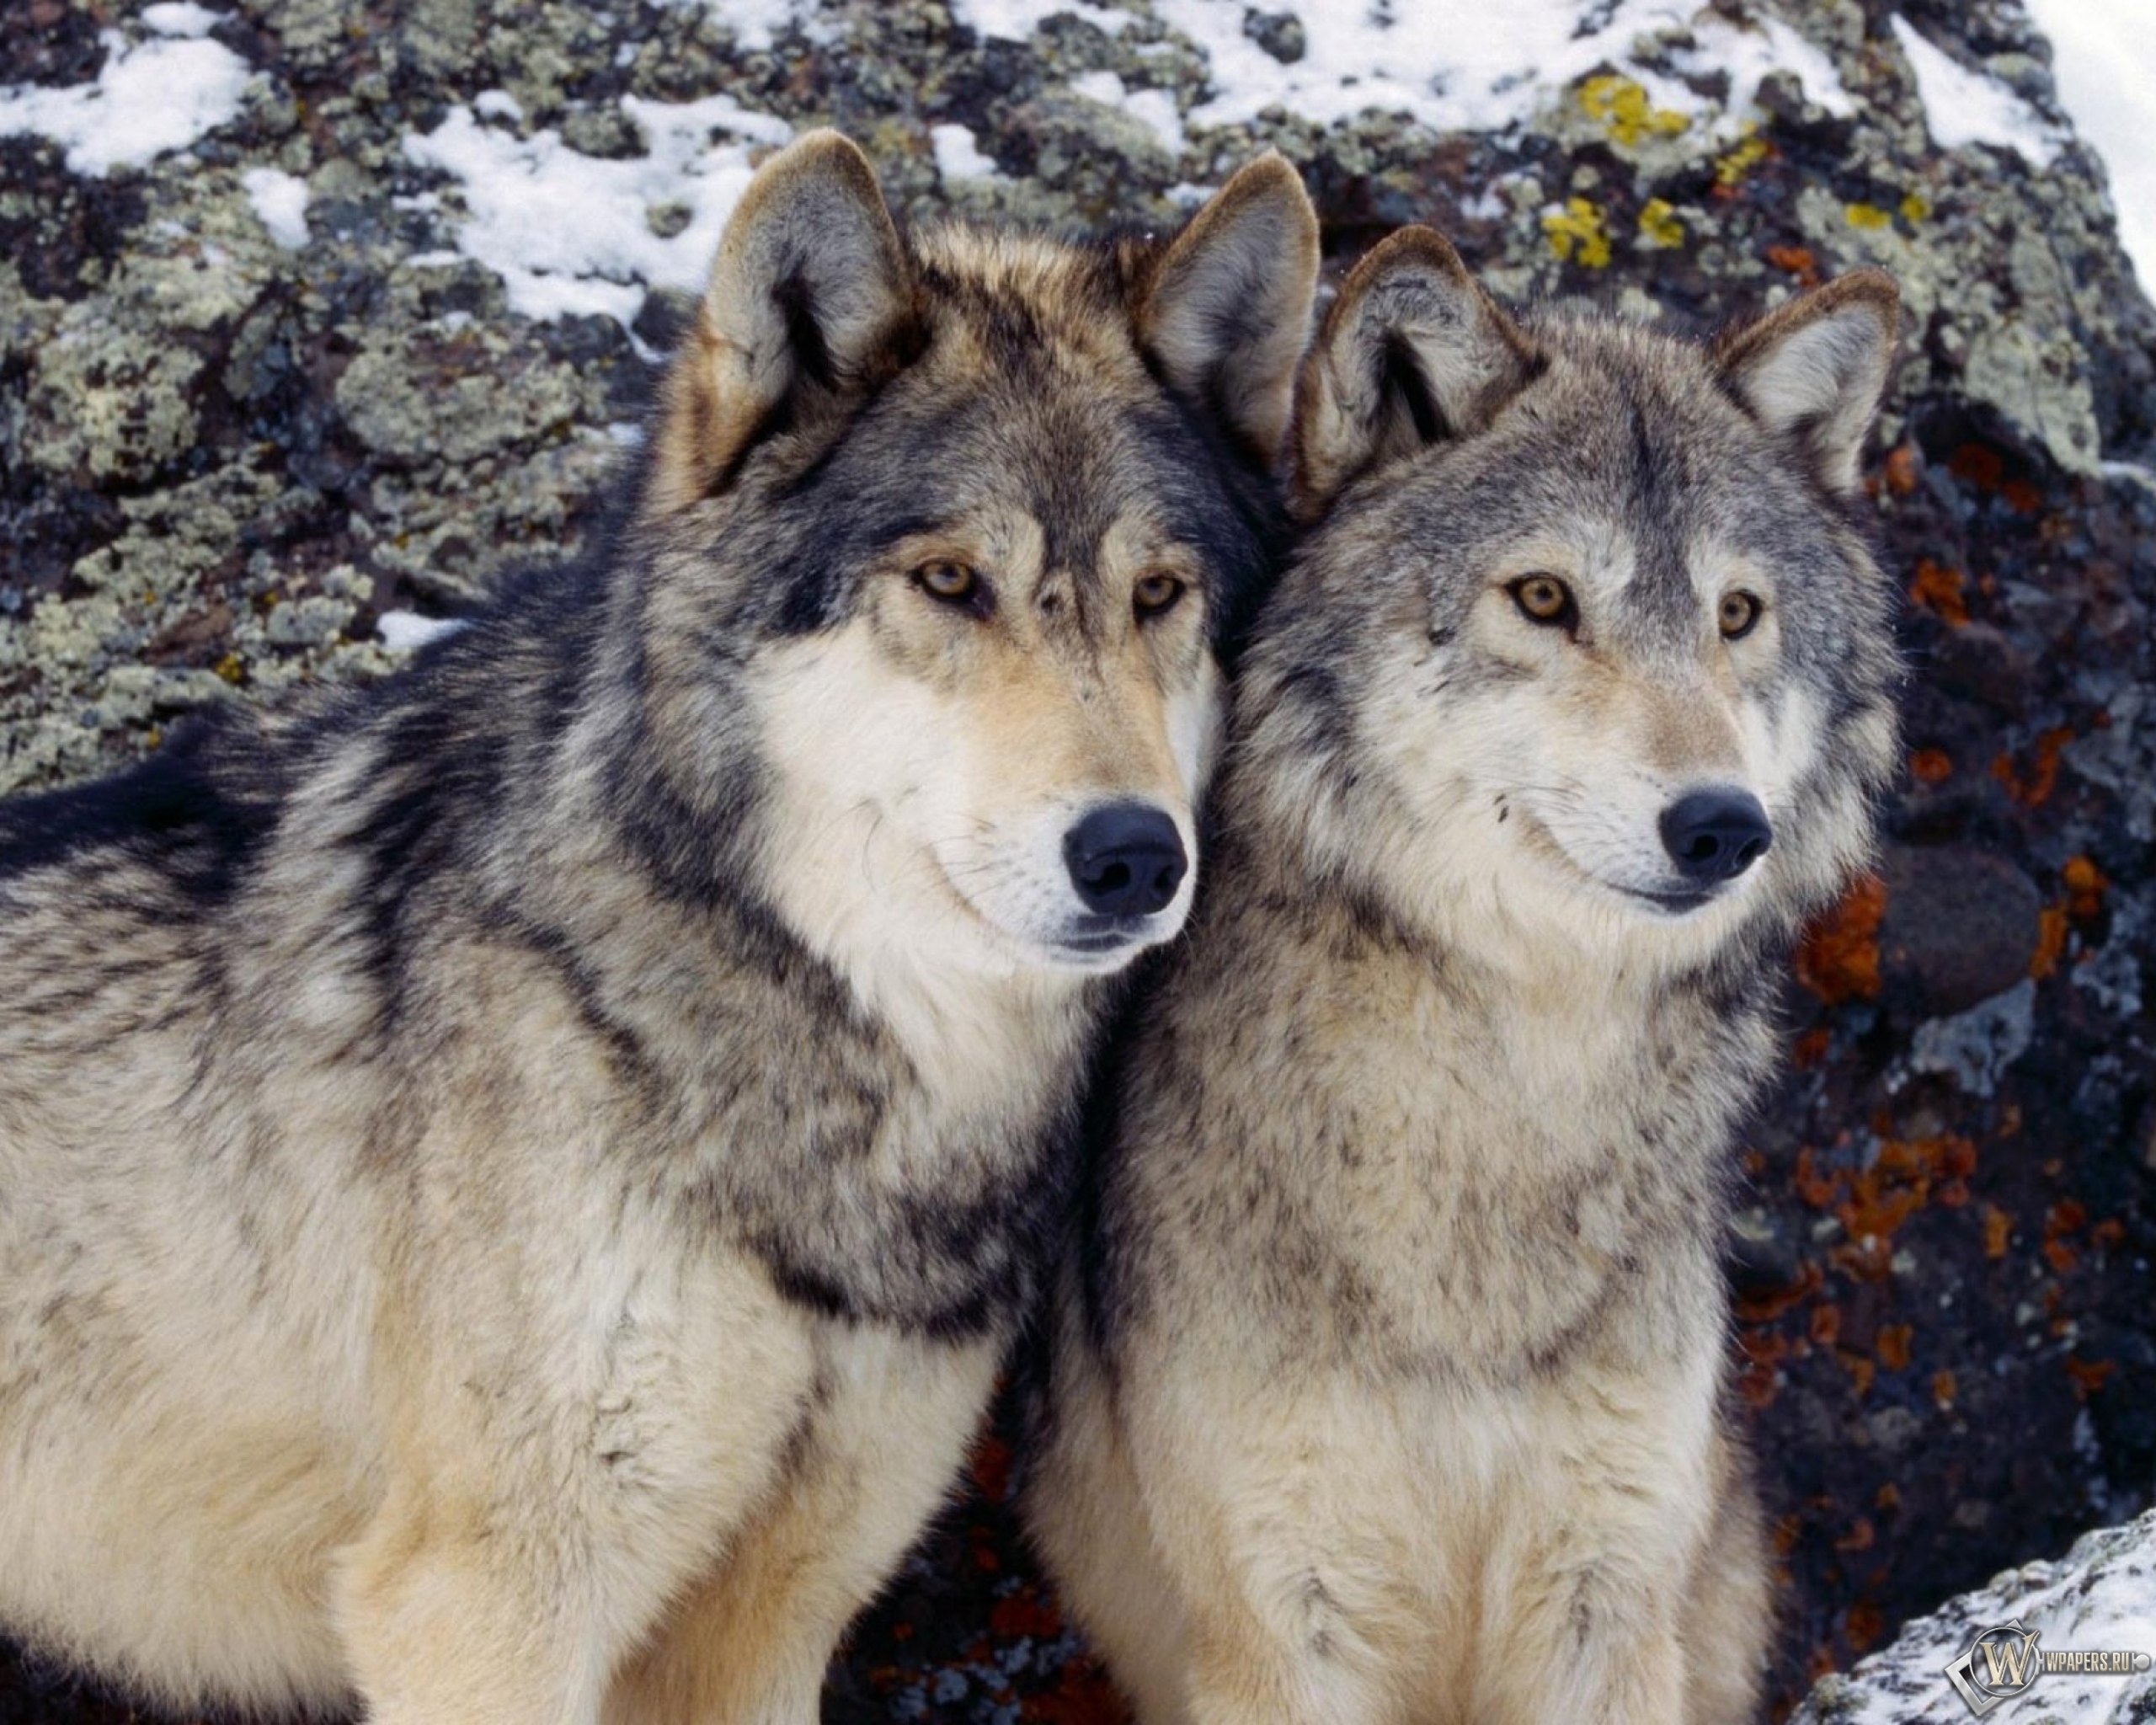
(811, 288)
(1413, 351)
(1227, 312)
(1813, 372)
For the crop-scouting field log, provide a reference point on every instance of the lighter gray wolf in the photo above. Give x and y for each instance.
(513, 1185)
(1386, 1374)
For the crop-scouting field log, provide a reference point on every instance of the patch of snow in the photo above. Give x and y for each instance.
(1962, 107)
(959, 154)
(571, 234)
(1155, 109)
(280, 201)
(1406, 57)
(1014, 20)
(407, 631)
(181, 17)
(1749, 53)
(158, 95)
(497, 104)
(2104, 59)
(2101, 1597)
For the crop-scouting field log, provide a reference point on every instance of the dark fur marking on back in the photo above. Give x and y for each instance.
(196, 811)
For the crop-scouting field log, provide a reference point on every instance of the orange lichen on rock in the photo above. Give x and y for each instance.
(1943, 1388)
(1998, 1231)
(1893, 1347)
(1899, 469)
(1764, 1308)
(1865, 1625)
(1758, 1374)
(1798, 261)
(1860, 1538)
(2086, 883)
(1931, 766)
(1941, 591)
(1839, 960)
(2051, 940)
(2089, 1375)
(2035, 788)
(1985, 469)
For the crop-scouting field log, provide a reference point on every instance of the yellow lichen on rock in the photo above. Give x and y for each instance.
(1750, 152)
(1659, 228)
(1623, 109)
(1576, 233)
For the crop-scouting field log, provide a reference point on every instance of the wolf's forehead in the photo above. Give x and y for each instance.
(1017, 303)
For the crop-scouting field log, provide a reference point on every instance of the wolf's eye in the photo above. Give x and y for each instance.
(1738, 614)
(1154, 594)
(953, 583)
(1547, 600)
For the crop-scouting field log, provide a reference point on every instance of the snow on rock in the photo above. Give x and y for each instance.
(2101, 1597)
(1153, 108)
(181, 17)
(280, 200)
(154, 96)
(1415, 60)
(407, 631)
(1962, 107)
(959, 156)
(574, 234)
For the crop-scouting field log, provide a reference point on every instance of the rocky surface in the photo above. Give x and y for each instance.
(2102, 1598)
(263, 387)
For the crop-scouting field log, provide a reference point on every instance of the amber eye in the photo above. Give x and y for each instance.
(953, 583)
(1154, 594)
(1737, 615)
(1545, 600)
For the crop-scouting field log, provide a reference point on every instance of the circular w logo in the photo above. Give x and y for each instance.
(1998, 1664)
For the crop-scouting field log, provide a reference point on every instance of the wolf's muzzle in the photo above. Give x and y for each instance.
(1715, 835)
(1125, 859)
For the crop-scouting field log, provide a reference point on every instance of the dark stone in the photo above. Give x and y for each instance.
(1961, 927)
(1280, 34)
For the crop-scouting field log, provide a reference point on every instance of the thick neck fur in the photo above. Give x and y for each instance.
(647, 894)
(1486, 1136)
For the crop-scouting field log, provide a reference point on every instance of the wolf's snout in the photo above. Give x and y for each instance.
(1126, 859)
(1716, 836)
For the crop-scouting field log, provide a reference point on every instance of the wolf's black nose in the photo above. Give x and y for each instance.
(1714, 835)
(1126, 859)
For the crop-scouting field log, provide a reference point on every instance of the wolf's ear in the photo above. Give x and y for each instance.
(811, 288)
(1412, 352)
(1813, 372)
(1227, 312)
